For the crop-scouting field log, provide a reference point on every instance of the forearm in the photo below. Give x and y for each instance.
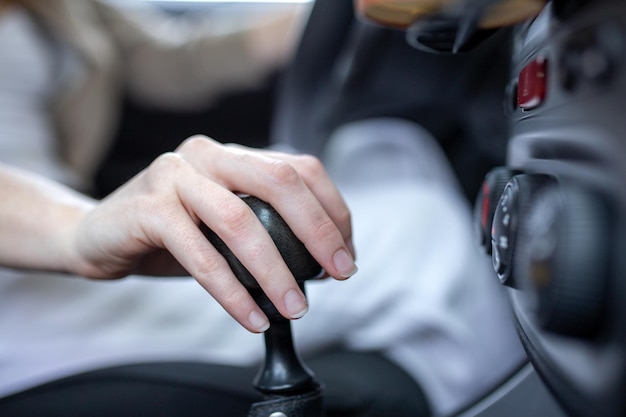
(37, 221)
(150, 224)
(176, 63)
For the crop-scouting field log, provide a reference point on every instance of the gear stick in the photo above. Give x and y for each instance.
(283, 373)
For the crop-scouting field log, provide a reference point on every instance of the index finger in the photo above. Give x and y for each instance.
(312, 172)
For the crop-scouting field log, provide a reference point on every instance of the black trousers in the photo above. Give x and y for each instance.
(357, 385)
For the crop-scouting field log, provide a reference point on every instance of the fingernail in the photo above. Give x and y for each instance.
(295, 304)
(258, 321)
(344, 263)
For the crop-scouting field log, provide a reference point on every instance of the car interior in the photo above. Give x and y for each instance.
(533, 126)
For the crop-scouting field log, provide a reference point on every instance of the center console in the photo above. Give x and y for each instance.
(554, 219)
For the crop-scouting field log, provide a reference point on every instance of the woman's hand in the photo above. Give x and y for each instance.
(150, 225)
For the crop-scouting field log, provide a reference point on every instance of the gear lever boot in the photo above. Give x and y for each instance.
(288, 385)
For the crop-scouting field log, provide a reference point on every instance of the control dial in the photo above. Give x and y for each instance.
(486, 202)
(512, 206)
(563, 257)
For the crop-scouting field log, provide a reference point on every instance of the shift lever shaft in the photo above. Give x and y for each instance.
(282, 372)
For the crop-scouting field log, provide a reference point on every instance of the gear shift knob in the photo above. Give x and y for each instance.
(299, 261)
(282, 371)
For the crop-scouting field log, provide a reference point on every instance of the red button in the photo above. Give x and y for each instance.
(531, 89)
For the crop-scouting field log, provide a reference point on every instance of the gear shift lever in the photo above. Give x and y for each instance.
(282, 374)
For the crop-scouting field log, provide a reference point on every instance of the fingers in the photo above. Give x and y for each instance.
(305, 197)
(175, 197)
(162, 207)
(199, 182)
(235, 223)
(323, 188)
(210, 269)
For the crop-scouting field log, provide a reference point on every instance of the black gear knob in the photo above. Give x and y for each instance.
(282, 371)
(298, 259)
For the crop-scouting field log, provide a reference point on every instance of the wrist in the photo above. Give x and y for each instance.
(72, 251)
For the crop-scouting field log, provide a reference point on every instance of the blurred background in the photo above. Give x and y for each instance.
(243, 116)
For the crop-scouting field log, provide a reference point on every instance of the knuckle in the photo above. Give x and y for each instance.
(234, 298)
(194, 143)
(222, 285)
(283, 174)
(236, 218)
(215, 277)
(344, 216)
(323, 229)
(164, 164)
(208, 264)
(159, 175)
(157, 197)
(310, 165)
(236, 301)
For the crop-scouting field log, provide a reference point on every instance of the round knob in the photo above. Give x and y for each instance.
(564, 256)
(512, 206)
(298, 259)
(486, 202)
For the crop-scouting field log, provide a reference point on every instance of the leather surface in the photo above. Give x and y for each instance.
(302, 405)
